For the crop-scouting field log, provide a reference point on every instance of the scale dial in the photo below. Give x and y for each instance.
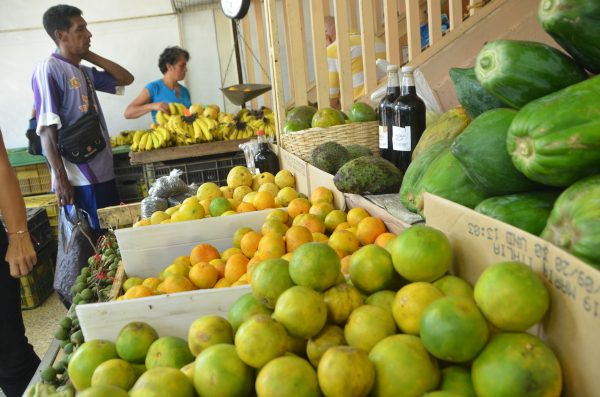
(235, 9)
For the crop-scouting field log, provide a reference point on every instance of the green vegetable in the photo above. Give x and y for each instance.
(481, 150)
(517, 72)
(575, 25)
(555, 140)
(470, 94)
(527, 211)
(574, 223)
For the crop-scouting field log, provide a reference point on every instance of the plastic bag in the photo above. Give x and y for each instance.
(151, 204)
(167, 186)
(76, 243)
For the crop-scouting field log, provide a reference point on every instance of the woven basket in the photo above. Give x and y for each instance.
(301, 143)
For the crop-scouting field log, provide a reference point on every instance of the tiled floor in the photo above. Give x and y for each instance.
(41, 323)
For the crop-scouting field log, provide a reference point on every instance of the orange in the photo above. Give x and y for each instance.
(239, 233)
(270, 279)
(355, 215)
(296, 236)
(367, 325)
(249, 243)
(222, 283)
(321, 194)
(269, 187)
(315, 265)
(410, 303)
(285, 196)
(383, 239)
(151, 282)
(239, 176)
(203, 253)
(235, 267)
(369, 229)
(249, 198)
(228, 252)
(205, 204)
(176, 283)
(333, 219)
(203, 275)
(219, 265)
(344, 241)
(311, 222)
(245, 207)
(138, 291)
(274, 226)
(346, 371)
(278, 215)
(220, 372)
(342, 226)
(345, 262)
(176, 268)
(251, 266)
(320, 237)
(321, 209)
(218, 206)
(262, 179)
(240, 192)
(227, 192)
(287, 376)
(469, 334)
(208, 191)
(264, 200)
(298, 206)
(371, 269)
(270, 246)
(183, 259)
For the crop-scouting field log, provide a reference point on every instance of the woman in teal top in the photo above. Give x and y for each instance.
(159, 93)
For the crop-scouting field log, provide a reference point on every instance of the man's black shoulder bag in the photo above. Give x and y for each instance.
(83, 140)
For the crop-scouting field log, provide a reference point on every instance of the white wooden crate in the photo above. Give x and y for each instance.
(170, 314)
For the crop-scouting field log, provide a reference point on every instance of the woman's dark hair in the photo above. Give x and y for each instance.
(59, 18)
(170, 56)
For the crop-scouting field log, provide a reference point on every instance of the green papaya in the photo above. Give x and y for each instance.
(574, 223)
(517, 72)
(481, 150)
(415, 171)
(368, 174)
(470, 94)
(555, 140)
(527, 211)
(575, 25)
(445, 177)
(448, 126)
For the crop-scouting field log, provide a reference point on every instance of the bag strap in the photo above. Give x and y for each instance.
(90, 90)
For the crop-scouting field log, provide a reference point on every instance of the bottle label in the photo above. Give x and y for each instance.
(401, 139)
(383, 137)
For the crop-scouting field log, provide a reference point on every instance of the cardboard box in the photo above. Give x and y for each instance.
(147, 250)
(572, 324)
(170, 314)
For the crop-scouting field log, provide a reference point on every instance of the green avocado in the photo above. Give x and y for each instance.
(361, 111)
(368, 174)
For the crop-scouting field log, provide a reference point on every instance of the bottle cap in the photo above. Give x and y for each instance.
(407, 69)
(260, 132)
(392, 68)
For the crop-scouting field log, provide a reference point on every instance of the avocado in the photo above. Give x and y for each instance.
(368, 174)
(329, 157)
(357, 151)
(361, 111)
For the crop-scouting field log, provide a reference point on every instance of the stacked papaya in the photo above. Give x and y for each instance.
(530, 154)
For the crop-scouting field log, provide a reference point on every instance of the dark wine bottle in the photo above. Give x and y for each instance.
(409, 120)
(265, 160)
(386, 113)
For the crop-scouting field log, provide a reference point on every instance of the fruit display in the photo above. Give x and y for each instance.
(244, 192)
(398, 324)
(94, 284)
(515, 162)
(198, 124)
(122, 138)
(282, 235)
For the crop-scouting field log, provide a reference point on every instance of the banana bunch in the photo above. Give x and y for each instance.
(123, 138)
(265, 123)
(245, 115)
(151, 139)
(240, 130)
(205, 129)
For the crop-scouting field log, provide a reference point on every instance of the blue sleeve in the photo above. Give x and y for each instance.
(103, 81)
(152, 88)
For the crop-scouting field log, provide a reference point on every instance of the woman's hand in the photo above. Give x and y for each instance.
(158, 106)
(20, 255)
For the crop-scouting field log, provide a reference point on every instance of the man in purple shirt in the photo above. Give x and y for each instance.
(62, 97)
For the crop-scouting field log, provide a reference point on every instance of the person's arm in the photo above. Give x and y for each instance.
(142, 105)
(20, 254)
(121, 75)
(64, 189)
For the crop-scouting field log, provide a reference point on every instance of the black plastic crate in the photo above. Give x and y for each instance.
(39, 228)
(38, 285)
(207, 169)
